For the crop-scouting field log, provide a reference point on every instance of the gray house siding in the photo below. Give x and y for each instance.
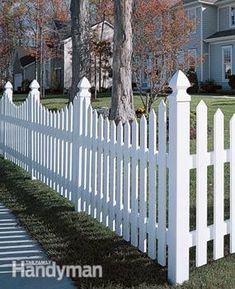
(212, 19)
(29, 72)
(224, 21)
(195, 37)
(216, 62)
(209, 21)
(209, 28)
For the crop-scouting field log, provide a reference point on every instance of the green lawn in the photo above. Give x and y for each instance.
(72, 238)
(225, 104)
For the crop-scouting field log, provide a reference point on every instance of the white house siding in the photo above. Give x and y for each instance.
(216, 62)
(107, 35)
(68, 63)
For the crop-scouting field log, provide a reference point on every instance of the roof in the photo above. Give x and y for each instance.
(200, 1)
(225, 33)
(26, 60)
(93, 27)
(219, 2)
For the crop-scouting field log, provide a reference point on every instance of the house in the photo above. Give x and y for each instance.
(107, 31)
(213, 38)
(26, 69)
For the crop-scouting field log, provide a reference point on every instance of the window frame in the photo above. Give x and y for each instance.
(187, 12)
(230, 47)
(232, 25)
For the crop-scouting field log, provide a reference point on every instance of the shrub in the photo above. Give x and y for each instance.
(232, 81)
(192, 76)
(210, 86)
(25, 85)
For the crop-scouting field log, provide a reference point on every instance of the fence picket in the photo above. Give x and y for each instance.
(143, 185)
(94, 165)
(232, 185)
(119, 174)
(89, 159)
(218, 185)
(119, 182)
(152, 185)
(100, 168)
(134, 182)
(127, 180)
(105, 199)
(201, 195)
(162, 128)
(112, 181)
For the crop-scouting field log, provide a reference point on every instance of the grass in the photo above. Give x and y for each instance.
(72, 238)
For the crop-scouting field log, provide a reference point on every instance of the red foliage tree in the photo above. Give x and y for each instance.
(12, 30)
(161, 30)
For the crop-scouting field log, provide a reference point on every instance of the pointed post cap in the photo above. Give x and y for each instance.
(179, 84)
(8, 93)
(84, 87)
(35, 94)
(8, 85)
(34, 85)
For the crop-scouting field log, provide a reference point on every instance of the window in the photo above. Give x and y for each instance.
(192, 58)
(192, 16)
(232, 17)
(226, 62)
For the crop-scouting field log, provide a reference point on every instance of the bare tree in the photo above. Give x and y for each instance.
(80, 17)
(122, 95)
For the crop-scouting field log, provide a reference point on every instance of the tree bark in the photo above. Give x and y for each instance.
(122, 94)
(80, 19)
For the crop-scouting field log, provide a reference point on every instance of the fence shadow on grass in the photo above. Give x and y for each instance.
(72, 238)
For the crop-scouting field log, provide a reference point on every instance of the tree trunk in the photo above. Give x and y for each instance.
(80, 42)
(100, 56)
(122, 95)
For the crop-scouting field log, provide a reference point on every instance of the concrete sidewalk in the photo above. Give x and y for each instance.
(16, 245)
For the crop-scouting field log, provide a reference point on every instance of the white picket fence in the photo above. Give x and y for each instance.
(132, 178)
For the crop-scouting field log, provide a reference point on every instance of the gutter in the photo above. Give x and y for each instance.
(222, 38)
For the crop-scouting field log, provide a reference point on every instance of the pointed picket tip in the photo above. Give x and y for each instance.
(113, 124)
(70, 106)
(152, 114)
(90, 109)
(202, 105)
(179, 81)
(143, 121)
(233, 118)
(106, 125)
(106, 121)
(162, 104)
(162, 107)
(95, 114)
(219, 113)
(101, 118)
(34, 85)
(119, 124)
(84, 83)
(134, 122)
(127, 125)
(8, 85)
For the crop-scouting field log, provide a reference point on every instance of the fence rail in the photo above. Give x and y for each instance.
(132, 178)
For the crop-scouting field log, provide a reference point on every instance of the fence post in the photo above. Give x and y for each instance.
(33, 98)
(82, 96)
(8, 94)
(179, 180)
